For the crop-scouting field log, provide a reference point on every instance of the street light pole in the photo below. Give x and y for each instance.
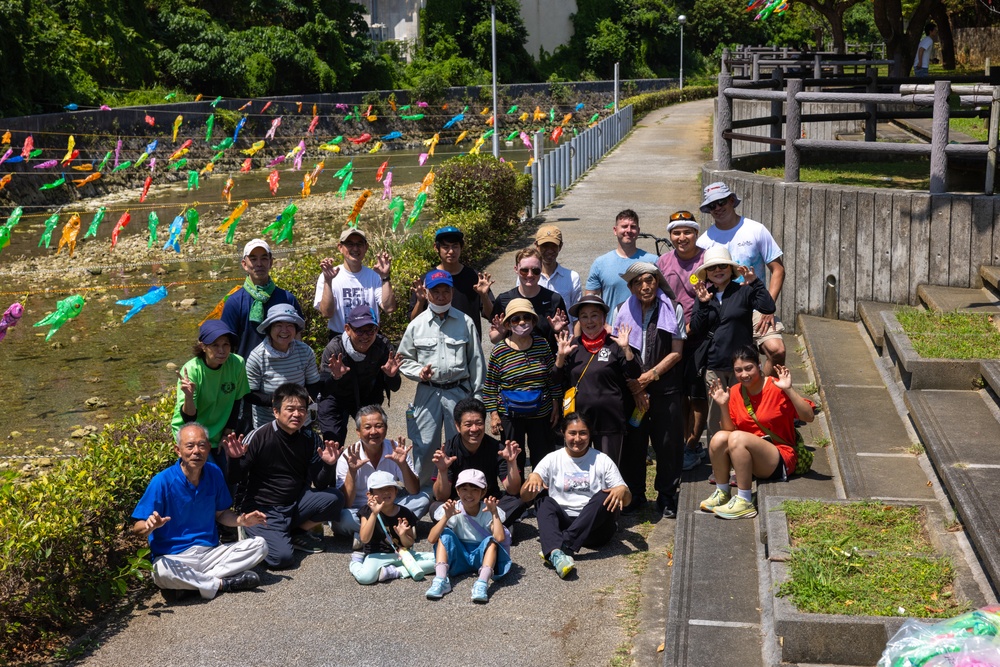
(682, 20)
(496, 121)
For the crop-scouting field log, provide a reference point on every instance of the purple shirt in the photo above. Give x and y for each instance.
(678, 272)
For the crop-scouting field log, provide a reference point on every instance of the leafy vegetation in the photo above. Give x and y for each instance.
(646, 102)
(64, 552)
(866, 558)
(950, 335)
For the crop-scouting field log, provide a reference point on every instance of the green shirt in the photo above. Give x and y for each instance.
(217, 390)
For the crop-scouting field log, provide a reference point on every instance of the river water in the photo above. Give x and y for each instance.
(96, 358)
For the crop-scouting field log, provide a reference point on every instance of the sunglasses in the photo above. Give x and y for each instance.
(719, 203)
(517, 319)
(681, 215)
(716, 267)
(534, 270)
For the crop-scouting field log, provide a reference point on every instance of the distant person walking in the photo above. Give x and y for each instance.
(922, 61)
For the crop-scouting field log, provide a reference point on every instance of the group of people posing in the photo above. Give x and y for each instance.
(581, 379)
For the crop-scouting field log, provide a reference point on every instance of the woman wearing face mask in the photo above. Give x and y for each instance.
(280, 358)
(723, 314)
(549, 307)
(595, 367)
(521, 390)
(753, 445)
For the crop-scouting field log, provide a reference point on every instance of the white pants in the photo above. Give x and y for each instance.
(203, 568)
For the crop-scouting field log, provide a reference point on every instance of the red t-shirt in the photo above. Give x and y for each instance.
(774, 410)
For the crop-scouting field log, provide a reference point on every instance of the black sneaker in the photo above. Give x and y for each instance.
(243, 581)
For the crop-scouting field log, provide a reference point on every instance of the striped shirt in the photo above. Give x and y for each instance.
(268, 369)
(510, 368)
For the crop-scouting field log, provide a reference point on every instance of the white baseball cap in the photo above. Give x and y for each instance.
(256, 243)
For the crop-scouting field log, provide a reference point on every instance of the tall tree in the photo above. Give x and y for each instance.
(901, 37)
(833, 11)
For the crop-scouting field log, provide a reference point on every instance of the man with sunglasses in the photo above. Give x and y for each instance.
(340, 288)
(750, 244)
(358, 367)
(677, 267)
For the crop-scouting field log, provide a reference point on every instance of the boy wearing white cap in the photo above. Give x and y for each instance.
(386, 528)
(750, 244)
(340, 288)
(470, 537)
(248, 306)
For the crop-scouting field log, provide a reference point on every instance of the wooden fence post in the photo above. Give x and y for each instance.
(939, 138)
(793, 130)
(723, 123)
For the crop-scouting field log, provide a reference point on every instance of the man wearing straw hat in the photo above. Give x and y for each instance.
(750, 244)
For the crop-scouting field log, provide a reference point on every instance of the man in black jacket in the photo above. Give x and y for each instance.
(290, 476)
(358, 368)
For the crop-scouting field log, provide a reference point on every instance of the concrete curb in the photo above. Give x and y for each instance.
(842, 639)
(919, 373)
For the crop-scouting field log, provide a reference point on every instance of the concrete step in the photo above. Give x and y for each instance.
(991, 277)
(871, 443)
(960, 299)
(959, 431)
(990, 369)
(871, 315)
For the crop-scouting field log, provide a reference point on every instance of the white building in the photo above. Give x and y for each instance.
(547, 21)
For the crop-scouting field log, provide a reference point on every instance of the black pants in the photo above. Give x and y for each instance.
(610, 444)
(594, 526)
(663, 428)
(534, 433)
(334, 418)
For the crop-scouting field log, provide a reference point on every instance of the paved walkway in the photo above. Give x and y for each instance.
(316, 614)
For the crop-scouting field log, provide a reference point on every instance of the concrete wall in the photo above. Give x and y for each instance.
(878, 245)
(548, 24)
(974, 45)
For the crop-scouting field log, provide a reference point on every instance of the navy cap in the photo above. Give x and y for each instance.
(449, 234)
(361, 316)
(210, 331)
(438, 277)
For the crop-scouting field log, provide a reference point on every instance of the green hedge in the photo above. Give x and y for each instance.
(646, 102)
(64, 550)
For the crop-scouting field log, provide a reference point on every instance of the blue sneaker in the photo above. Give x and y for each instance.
(439, 588)
(562, 562)
(692, 459)
(479, 594)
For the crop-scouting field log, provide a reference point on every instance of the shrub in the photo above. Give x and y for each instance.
(482, 183)
(64, 550)
(646, 102)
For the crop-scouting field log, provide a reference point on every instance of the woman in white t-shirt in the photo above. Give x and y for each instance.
(585, 493)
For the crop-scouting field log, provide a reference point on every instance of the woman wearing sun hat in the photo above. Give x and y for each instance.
(724, 314)
(280, 358)
(521, 389)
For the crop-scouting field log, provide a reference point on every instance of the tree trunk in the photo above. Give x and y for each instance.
(946, 39)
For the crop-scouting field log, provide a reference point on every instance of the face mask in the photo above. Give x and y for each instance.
(438, 310)
(522, 329)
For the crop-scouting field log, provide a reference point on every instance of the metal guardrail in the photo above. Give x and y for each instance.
(557, 169)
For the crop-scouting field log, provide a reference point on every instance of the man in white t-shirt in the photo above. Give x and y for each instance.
(750, 244)
(373, 451)
(340, 288)
(922, 59)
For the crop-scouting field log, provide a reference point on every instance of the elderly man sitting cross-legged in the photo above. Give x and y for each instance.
(178, 513)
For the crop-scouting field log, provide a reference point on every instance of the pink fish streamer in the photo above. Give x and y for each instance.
(10, 318)
(387, 186)
(274, 126)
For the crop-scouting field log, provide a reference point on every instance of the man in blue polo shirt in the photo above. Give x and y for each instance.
(178, 513)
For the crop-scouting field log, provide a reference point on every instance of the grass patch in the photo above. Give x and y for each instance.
(821, 442)
(974, 127)
(901, 174)
(810, 389)
(866, 559)
(950, 335)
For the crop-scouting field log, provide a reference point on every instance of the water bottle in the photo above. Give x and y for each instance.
(636, 417)
(409, 411)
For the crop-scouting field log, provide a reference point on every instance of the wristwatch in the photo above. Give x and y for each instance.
(656, 375)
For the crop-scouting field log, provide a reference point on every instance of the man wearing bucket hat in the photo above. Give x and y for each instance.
(471, 292)
(248, 306)
(677, 267)
(340, 288)
(280, 358)
(750, 244)
(441, 352)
